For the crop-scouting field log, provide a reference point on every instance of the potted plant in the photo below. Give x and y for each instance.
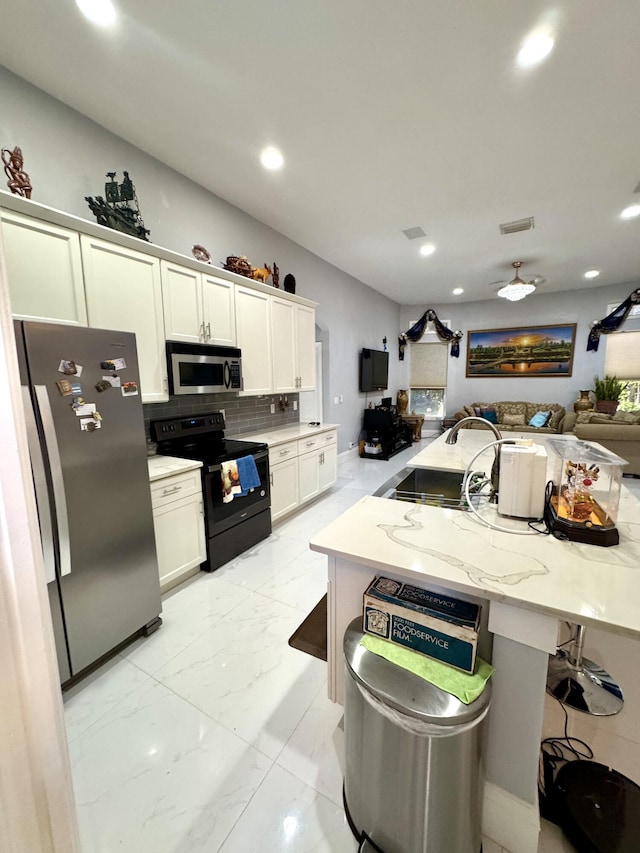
(608, 392)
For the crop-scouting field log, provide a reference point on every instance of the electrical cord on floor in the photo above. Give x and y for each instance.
(554, 753)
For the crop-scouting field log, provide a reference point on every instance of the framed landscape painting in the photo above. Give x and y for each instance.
(521, 351)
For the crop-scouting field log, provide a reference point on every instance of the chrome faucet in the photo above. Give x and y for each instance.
(455, 429)
(495, 468)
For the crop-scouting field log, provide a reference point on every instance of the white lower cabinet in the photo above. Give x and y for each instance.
(328, 473)
(301, 470)
(178, 521)
(284, 487)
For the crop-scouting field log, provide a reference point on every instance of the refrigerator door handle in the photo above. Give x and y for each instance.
(40, 486)
(57, 481)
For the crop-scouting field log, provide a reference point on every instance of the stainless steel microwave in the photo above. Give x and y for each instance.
(203, 369)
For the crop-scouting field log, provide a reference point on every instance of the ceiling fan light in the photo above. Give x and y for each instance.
(515, 292)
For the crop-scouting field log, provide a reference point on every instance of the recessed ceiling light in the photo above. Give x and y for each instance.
(631, 212)
(427, 249)
(592, 274)
(271, 158)
(534, 49)
(100, 12)
(458, 290)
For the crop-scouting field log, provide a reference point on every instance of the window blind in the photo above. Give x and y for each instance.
(429, 365)
(622, 358)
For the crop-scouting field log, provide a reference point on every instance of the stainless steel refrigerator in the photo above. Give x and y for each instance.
(81, 390)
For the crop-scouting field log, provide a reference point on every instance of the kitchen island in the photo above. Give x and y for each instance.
(525, 582)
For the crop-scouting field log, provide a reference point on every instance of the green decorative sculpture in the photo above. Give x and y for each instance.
(119, 209)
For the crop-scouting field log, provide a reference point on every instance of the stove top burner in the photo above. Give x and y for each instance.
(200, 437)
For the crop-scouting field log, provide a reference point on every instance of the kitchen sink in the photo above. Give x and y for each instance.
(429, 486)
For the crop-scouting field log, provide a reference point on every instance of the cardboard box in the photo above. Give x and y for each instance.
(453, 640)
(446, 607)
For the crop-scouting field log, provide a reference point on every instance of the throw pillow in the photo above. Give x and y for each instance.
(489, 415)
(540, 419)
(625, 417)
(583, 417)
(556, 417)
(513, 420)
(477, 411)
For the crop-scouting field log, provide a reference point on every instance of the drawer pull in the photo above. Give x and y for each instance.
(172, 490)
(310, 443)
(285, 452)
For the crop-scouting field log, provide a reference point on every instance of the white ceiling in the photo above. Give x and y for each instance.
(389, 115)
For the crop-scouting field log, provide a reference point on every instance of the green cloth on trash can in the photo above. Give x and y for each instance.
(464, 686)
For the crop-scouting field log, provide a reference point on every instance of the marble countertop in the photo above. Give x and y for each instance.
(280, 435)
(581, 583)
(166, 466)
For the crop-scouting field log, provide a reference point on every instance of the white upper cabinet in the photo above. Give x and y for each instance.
(219, 310)
(123, 291)
(182, 301)
(305, 330)
(253, 336)
(283, 335)
(293, 331)
(44, 268)
(198, 308)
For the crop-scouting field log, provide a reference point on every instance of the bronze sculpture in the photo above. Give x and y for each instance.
(19, 182)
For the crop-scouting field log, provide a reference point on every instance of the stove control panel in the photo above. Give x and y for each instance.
(208, 424)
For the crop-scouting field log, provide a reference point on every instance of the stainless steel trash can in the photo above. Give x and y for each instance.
(412, 758)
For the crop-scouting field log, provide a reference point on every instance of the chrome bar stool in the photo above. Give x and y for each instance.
(580, 683)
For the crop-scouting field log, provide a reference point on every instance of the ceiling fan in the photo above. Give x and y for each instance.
(517, 288)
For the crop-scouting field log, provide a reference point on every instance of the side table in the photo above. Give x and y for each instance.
(415, 422)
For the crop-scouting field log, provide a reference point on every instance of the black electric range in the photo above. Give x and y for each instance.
(231, 525)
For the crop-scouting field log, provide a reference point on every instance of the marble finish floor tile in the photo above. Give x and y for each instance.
(244, 675)
(185, 616)
(285, 814)
(162, 776)
(262, 562)
(315, 751)
(112, 688)
(301, 583)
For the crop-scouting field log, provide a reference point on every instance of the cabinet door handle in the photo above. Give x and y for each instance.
(202, 334)
(322, 458)
(271, 478)
(172, 490)
(208, 331)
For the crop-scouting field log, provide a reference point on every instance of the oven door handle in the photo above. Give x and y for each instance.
(262, 454)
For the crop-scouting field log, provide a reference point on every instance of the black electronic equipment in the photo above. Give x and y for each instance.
(374, 370)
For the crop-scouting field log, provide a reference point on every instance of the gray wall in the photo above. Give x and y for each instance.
(582, 307)
(67, 156)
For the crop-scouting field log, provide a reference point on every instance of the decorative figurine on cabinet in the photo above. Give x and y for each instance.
(120, 210)
(275, 275)
(19, 181)
(289, 283)
(239, 265)
(261, 273)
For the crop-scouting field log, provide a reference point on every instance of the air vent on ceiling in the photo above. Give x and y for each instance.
(517, 225)
(414, 233)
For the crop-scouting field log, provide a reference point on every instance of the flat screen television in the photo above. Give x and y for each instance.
(374, 370)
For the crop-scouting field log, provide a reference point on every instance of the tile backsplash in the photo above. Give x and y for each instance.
(242, 414)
